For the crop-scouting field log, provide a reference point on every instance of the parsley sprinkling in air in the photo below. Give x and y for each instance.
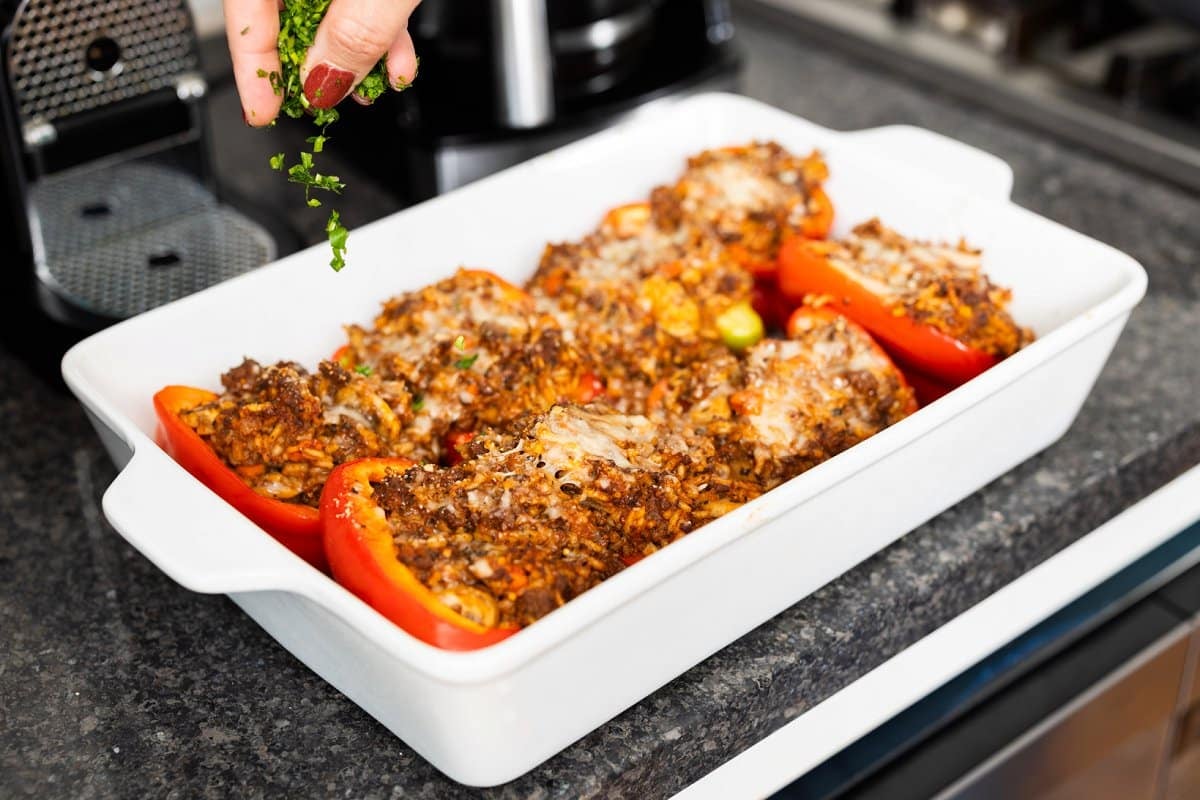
(337, 240)
(304, 174)
(298, 21)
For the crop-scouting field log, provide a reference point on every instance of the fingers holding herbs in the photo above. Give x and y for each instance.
(302, 58)
(252, 27)
(401, 62)
(349, 50)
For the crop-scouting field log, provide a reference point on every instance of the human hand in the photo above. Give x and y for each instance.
(350, 40)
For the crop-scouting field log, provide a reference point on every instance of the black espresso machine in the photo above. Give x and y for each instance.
(504, 80)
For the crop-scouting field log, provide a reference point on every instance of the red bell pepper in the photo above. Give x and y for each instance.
(591, 387)
(927, 389)
(761, 269)
(362, 555)
(451, 443)
(805, 269)
(298, 527)
(806, 316)
(771, 305)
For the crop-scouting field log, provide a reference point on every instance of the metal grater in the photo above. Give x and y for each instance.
(123, 239)
(58, 46)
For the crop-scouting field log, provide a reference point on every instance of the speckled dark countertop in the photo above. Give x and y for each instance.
(114, 681)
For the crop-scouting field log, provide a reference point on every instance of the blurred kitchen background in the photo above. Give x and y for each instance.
(130, 182)
(1121, 76)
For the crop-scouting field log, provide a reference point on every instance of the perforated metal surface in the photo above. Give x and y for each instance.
(48, 53)
(124, 239)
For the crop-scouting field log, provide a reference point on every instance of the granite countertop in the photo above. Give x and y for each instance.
(114, 681)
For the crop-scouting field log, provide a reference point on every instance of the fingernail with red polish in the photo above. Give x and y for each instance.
(326, 86)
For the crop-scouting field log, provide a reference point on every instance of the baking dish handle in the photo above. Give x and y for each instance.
(206, 546)
(951, 160)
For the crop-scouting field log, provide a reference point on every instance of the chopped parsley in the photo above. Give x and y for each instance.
(418, 402)
(298, 21)
(376, 82)
(460, 343)
(304, 175)
(337, 240)
(363, 369)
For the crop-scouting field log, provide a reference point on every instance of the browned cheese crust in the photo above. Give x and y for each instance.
(750, 198)
(787, 405)
(937, 284)
(284, 429)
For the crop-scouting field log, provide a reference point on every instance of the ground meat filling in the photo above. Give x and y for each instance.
(541, 514)
(471, 351)
(645, 301)
(550, 507)
(938, 284)
(284, 429)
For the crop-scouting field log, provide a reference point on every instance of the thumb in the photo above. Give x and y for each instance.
(350, 40)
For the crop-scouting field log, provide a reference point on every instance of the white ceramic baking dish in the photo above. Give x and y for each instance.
(488, 716)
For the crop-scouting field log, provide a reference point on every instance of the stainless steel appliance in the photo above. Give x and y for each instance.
(107, 191)
(503, 81)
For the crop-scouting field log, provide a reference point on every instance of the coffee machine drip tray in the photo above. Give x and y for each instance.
(118, 240)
